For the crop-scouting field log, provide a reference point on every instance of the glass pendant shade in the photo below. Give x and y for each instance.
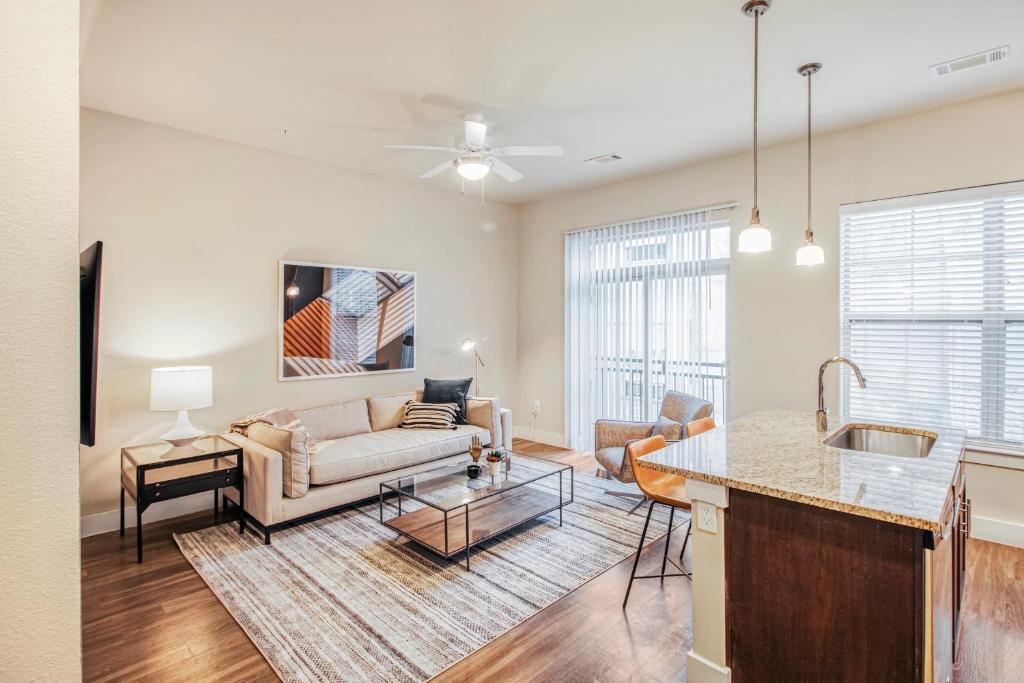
(810, 255)
(754, 238)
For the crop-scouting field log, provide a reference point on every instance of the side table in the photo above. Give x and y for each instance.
(161, 471)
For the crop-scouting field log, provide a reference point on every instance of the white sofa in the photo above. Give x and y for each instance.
(359, 446)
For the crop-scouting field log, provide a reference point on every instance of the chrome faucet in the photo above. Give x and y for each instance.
(822, 414)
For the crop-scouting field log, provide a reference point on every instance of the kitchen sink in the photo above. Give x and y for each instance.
(898, 441)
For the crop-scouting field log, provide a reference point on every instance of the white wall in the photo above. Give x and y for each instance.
(193, 229)
(783, 319)
(40, 622)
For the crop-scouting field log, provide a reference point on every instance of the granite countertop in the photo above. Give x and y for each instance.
(780, 453)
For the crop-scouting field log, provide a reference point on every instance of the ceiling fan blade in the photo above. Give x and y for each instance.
(438, 170)
(529, 151)
(476, 132)
(505, 171)
(426, 147)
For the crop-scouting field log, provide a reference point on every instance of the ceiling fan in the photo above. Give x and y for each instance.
(475, 158)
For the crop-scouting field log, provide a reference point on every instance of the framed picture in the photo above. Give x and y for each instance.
(339, 321)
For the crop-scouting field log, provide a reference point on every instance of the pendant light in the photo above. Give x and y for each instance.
(810, 254)
(755, 237)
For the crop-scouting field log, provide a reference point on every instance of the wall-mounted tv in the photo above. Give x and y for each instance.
(90, 263)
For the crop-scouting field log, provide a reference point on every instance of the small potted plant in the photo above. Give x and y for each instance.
(494, 459)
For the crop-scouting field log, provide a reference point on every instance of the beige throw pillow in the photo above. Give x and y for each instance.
(293, 445)
(670, 429)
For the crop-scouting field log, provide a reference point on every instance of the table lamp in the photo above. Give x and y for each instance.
(182, 389)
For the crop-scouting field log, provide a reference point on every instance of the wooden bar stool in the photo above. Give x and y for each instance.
(663, 488)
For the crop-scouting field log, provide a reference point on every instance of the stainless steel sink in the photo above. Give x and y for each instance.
(898, 441)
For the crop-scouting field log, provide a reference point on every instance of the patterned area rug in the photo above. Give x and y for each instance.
(340, 599)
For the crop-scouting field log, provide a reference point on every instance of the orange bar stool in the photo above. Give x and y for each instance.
(660, 488)
(704, 424)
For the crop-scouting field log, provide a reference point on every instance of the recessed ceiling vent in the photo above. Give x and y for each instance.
(604, 159)
(999, 54)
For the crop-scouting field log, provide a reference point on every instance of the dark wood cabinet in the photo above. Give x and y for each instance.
(815, 594)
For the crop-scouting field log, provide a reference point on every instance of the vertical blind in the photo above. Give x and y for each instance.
(645, 311)
(932, 309)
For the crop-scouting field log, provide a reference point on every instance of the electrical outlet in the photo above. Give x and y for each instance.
(707, 519)
(536, 405)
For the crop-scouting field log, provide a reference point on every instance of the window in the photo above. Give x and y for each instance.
(932, 309)
(645, 312)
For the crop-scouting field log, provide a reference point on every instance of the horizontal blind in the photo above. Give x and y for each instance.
(932, 310)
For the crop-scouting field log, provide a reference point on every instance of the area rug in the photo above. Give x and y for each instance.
(341, 599)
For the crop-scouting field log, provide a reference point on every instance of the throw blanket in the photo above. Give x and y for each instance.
(275, 417)
(282, 418)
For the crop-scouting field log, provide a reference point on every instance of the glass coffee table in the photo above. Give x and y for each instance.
(448, 513)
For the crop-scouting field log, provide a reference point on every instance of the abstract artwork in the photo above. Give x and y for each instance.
(338, 321)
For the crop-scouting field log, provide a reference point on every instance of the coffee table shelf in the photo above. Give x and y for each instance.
(444, 507)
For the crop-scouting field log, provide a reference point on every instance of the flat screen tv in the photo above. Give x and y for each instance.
(90, 264)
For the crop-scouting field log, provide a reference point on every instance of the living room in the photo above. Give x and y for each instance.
(474, 317)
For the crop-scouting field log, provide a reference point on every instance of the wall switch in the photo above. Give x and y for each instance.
(707, 519)
(536, 405)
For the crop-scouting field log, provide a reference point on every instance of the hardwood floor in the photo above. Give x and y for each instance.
(159, 622)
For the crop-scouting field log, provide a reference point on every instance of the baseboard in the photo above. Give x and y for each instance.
(102, 522)
(998, 531)
(702, 670)
(539, 435)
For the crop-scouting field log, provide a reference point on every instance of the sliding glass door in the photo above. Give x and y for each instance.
(645, 313)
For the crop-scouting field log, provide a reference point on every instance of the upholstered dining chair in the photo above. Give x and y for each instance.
(612, 436)
(660, 488)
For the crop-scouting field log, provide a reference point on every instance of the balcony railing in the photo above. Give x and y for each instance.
(632, 388)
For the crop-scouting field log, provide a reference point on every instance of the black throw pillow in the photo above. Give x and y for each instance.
(448, 391)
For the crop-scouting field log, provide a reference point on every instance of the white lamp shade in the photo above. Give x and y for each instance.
(753, 239)
(467, 345)
(181, 388)
(810, 255)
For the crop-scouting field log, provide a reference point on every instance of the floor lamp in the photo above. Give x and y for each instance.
(470, 345)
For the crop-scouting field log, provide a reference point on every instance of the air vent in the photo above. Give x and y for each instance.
(604, 159)
(999, 54)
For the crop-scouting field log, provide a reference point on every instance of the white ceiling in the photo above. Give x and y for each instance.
(660, 82)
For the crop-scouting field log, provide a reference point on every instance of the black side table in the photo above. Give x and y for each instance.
(161, 471)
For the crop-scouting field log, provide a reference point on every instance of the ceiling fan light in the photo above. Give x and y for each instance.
(754, 239)
(810, 254)
(473, 168)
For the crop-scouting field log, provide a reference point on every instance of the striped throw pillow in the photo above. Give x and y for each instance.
(429, 415)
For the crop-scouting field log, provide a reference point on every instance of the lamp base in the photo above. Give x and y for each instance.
(183, 432)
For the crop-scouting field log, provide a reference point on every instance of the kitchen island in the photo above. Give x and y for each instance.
(817, 563)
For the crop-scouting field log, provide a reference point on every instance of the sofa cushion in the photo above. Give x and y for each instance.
(363, 455)
(292, 444)
(336, 421)
(386, 412)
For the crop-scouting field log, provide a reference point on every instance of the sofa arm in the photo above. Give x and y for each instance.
(506, 428)
(617, 433)
(485, 413)
(264, 488)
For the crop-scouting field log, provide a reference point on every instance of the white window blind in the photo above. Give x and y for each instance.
(645, 311)
(932, 310)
